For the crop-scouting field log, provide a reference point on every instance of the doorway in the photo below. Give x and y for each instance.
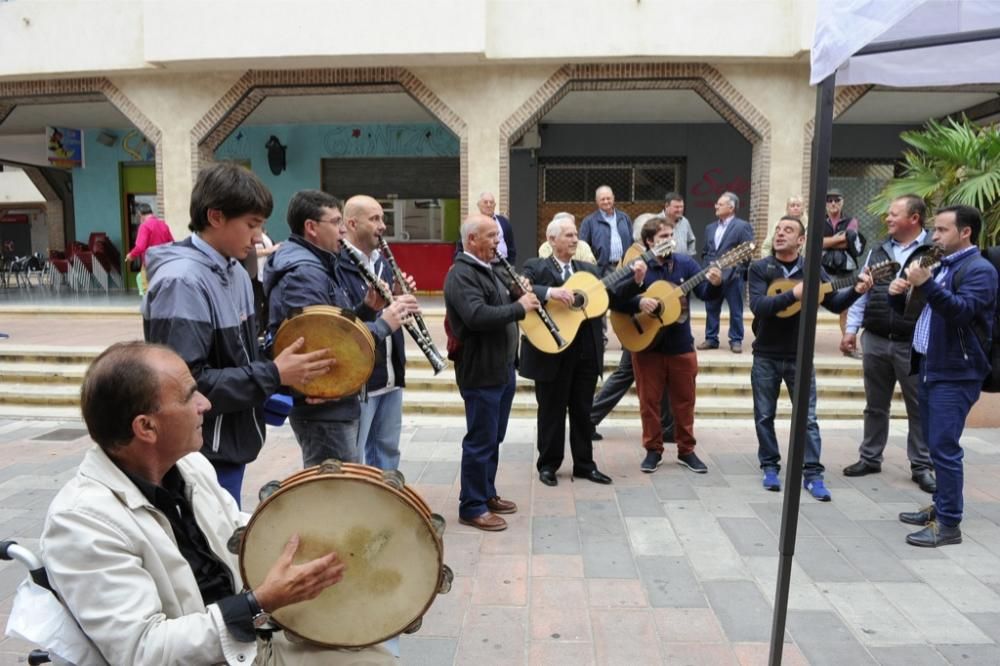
(138, 186)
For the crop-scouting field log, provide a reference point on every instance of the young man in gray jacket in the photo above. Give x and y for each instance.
(200, 304)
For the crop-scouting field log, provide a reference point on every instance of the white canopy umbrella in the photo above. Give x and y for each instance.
(902, 43)
(844, 27)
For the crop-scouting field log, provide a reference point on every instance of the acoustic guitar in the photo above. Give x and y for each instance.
(590, 300)
(638, 331)
(878, 271)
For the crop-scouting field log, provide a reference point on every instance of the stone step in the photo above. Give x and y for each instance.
(709, 383)
(712, 401)
(50, 370)
(41, 372)
(431, 402)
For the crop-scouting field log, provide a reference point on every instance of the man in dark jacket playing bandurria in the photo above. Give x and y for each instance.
(775, 347)
(483, 319)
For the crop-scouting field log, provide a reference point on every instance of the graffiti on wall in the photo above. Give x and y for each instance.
(376, 140)
(713, 183)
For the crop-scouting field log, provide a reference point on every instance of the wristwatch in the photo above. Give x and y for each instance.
(261, 619)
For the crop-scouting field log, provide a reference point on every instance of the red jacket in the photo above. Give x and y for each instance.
(153, 231)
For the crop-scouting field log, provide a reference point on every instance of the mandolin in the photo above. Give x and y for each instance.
(879, 271)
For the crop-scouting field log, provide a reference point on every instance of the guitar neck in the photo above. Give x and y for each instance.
(846, 281)
(625, 271)
(695, 280)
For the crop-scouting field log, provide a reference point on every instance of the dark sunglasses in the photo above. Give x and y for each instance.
(834, 199)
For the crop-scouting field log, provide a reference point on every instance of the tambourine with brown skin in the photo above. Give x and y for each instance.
(348, 342)
(391, 544)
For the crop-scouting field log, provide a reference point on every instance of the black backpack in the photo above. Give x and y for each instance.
(990, 344)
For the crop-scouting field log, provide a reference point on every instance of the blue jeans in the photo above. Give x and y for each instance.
(320, 440)
(378, 429)
(487, 410)
(766, 376)
(949, 403)
(732, 293)
(230, 476)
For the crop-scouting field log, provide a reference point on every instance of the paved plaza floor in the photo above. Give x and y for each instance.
(664, 568)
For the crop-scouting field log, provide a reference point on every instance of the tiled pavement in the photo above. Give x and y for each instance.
(668, 568)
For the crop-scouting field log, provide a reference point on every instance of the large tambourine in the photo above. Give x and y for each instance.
(348, 340)
(385, 534)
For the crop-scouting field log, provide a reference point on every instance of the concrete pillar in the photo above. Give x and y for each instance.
(174, 103)
(484, 97)
(782, 93)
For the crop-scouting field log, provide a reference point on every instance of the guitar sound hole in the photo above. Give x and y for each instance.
(579, 300)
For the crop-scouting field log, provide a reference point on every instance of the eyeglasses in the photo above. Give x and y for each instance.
(834, 199)
(335, 222)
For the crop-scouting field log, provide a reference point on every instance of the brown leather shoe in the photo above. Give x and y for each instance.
(489, 522)
(497, 505)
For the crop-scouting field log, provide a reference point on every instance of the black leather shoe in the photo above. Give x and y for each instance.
(862, 468)
(593, 475)
(596, 436)
(922, 516)
(925, 479)
(548, 477)
(935, 535)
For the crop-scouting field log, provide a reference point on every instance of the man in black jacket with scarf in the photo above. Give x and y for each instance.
(483, 319)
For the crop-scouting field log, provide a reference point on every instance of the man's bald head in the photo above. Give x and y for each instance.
(358, 204)
(365, 222)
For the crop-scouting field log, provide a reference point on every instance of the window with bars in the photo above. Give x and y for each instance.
(575, 181)
(861, 181)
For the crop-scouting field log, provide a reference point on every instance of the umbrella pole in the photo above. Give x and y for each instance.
(822, 139)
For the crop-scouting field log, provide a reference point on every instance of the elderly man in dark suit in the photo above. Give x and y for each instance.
(487, 205)
(564, 381)
(724, 234)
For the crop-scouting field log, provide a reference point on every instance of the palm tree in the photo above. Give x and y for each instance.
(954, 162)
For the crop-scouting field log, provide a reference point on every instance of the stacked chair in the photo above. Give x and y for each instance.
(84, 267)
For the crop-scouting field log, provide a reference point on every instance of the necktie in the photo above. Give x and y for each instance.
(566, 272)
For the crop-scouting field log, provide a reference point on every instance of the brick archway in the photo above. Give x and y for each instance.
(843, 99)
(714, 88)
(93, 89)
(255, 85)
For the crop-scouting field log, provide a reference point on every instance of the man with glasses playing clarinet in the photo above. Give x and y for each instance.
(382, 405)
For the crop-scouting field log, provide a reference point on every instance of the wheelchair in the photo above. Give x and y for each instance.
(39, 616)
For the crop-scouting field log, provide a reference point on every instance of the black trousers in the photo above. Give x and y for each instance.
(614, 389)
(572, 392)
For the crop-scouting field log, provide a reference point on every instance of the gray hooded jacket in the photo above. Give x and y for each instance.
(204, 311)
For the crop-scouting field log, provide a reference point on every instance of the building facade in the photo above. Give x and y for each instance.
(426, 105)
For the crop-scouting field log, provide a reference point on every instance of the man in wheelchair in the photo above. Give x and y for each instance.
(135, 544)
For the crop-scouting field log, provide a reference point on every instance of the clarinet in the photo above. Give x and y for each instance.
(542, 312)
(401, 281)
(423, 341)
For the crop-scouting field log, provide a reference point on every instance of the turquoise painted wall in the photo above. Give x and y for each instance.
(97, 189)
(308, 144)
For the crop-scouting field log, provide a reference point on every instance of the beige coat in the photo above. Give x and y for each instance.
(112, 558)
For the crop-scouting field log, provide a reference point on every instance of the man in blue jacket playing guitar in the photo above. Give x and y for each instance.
(670, 363)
